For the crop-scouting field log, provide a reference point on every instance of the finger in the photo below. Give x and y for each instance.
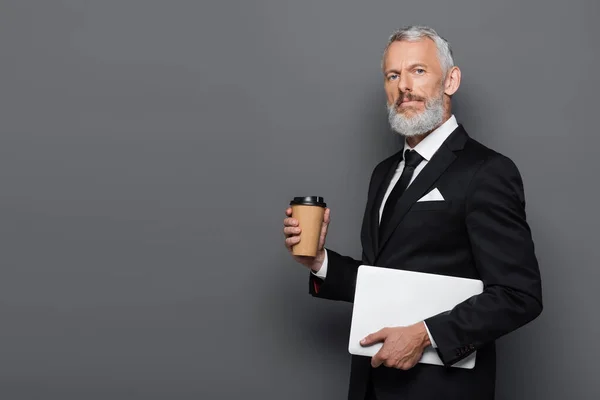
(292, 241)
(406, 365)
(377, 360)
(327, 216)
(290, 222)
(291, 231)
(288, 211)
(324, 229)
(409, 361)
(323, 237)
(374, 337)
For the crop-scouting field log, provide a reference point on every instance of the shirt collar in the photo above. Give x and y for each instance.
(432, 142)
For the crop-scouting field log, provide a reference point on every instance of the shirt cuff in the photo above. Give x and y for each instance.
(322, 273)
(430, 337)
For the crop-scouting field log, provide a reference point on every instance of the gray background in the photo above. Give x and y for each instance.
(148, 150)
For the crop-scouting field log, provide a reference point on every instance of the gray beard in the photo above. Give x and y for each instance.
(421, 123)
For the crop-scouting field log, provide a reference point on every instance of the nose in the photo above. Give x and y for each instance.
(405, 83)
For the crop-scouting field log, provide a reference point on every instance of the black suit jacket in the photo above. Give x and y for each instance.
(479, 231)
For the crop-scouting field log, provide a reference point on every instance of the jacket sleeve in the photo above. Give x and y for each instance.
(503, 252)
(340, 282)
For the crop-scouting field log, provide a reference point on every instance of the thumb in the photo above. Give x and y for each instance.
(327, 216)
(374, 337)
(324, 228)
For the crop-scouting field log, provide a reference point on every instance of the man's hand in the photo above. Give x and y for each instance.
(291, 231)
(402, 346)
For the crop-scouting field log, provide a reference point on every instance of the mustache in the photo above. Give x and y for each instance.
(408, 97)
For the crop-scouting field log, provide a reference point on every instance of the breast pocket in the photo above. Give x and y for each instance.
(442, 218)
(431, 205)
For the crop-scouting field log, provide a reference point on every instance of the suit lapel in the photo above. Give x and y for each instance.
(380, 181)
(380, 193)
(440, 161)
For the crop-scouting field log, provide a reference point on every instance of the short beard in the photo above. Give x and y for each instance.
(420, 123)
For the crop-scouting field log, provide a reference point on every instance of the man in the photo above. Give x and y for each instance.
(476, 228)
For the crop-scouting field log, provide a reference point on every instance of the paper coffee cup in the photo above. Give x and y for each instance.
(309, 212)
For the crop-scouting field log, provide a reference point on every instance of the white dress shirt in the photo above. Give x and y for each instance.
(426, 149)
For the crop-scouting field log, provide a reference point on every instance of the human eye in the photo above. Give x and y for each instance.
(419, 71)
(392, 77)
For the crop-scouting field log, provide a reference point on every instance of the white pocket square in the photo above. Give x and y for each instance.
(434, 195)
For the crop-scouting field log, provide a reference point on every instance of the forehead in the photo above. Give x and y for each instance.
(403, 53)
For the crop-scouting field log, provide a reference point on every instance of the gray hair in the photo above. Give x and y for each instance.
(416, 33)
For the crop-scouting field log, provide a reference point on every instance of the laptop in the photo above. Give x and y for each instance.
(387, 297)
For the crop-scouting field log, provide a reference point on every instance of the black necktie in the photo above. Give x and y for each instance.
(411, 160)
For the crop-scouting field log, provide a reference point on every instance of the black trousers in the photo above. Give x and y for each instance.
(370, 395)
